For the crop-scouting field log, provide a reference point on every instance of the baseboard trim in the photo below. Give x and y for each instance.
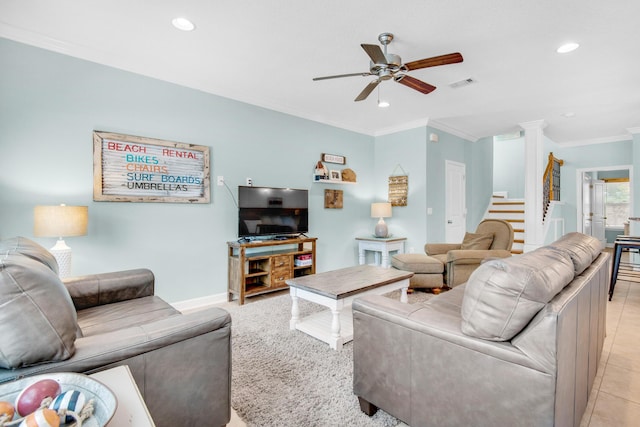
(200, 303)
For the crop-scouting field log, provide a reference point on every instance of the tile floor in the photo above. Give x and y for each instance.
(615, 397)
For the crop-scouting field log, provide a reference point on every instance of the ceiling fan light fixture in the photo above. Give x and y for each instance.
(382, 104)
(183, 24)
(568, 47)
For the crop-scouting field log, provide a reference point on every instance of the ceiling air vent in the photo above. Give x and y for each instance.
(461, 83)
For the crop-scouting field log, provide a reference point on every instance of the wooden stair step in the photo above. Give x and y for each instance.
(518, 230)
(515, 220)
(508, 203)
(516, 251)
(506, 211)
(518, 241)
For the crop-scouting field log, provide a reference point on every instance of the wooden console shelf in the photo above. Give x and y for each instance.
(264, 266)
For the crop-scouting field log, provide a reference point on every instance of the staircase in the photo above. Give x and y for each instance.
(512, 211)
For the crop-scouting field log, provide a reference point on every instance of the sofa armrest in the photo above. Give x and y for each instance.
(472, 256)
(440, 248)
(402, 356)
(97, 352)
(105, 288)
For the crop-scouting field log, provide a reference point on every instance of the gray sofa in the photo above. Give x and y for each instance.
(181, 363)
(517, 345)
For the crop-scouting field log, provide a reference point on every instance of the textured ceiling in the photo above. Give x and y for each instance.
(266, 52)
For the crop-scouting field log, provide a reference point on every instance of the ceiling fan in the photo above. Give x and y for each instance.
(386, 66)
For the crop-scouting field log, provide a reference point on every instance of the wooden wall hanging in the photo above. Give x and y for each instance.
(136, 169)
(398, 188)
(333, 199)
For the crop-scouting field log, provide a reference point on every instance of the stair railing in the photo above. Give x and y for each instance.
(551, 182)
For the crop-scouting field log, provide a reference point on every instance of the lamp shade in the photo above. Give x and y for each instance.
(60, 221)
(381, 210)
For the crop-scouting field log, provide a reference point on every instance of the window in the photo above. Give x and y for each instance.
(616, 202)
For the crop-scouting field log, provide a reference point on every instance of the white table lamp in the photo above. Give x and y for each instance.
(381, 210)
(60, 221)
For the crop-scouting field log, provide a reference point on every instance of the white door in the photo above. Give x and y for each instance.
(597, 210)
(455, 209)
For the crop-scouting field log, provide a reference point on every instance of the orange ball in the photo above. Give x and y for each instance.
(7, 408)
(42, 418)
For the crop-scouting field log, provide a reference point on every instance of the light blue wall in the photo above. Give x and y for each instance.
(448, 147)
(584, 157)
(479, 180)
(409, 151)
(49, 106)
(397, 154)
(508, 167)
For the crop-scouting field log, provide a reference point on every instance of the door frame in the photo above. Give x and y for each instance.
(580, 172)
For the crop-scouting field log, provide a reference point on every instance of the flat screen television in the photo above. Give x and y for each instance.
(267, 211)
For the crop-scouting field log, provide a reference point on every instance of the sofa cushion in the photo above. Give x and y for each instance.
(582, 249)
(502, 296)
(37, 319)
(29, 248)
(417, 263)
(477, 241)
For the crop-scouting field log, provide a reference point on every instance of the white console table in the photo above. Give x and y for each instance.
(381, 247)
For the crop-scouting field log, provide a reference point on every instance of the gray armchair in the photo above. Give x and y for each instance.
(493, 239)
(453, 263)
(181, 363)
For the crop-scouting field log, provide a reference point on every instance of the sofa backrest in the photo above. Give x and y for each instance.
(502, 233)
(502, 296)
(38, 322)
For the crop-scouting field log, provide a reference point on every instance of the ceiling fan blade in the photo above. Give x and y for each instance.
(414, 83)
(367, 90)
(341, 75)
(375, 53)
(451, 58)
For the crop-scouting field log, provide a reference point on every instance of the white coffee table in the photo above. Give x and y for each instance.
(336, 290)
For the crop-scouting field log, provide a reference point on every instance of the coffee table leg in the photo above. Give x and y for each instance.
(403, 296)
(295, 310)
(336, 339)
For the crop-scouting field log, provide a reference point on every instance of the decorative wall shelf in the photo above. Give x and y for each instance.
(328, 181)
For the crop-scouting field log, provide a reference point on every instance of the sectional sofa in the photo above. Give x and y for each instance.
(517, 345)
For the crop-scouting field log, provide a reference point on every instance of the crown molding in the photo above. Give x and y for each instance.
(594, 141)
(453, 131)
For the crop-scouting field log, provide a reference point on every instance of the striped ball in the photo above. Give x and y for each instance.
(42, 418)
(71, 400)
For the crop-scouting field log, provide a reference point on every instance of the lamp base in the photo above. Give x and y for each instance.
(62, 253)
(381, 229)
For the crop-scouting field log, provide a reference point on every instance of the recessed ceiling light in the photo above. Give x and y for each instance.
(568, 47)
(183, 24)
(383, 104)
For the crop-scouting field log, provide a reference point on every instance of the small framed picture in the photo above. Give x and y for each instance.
(335, 175)
(333, 158)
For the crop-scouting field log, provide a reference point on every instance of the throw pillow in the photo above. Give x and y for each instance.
(502, 296)
(37, 321)
(582, 249)
(477, 241)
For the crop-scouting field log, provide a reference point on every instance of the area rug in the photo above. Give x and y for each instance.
(287, 378)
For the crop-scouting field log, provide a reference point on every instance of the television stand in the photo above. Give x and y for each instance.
(259, 267)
